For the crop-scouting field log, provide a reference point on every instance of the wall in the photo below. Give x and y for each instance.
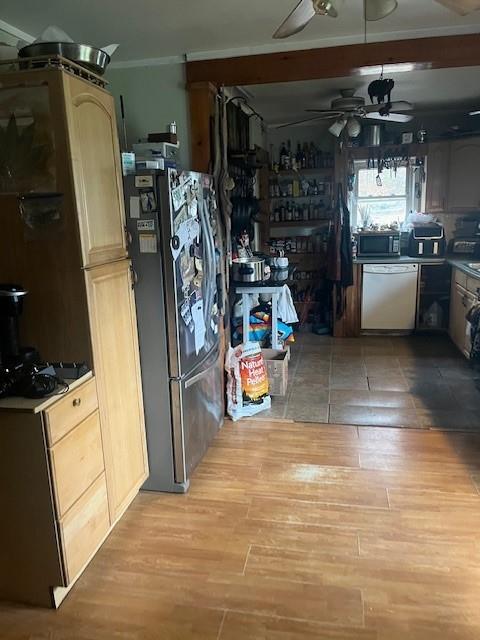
(153, 97)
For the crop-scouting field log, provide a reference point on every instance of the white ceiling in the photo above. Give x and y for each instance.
(150, 29)
(439, 90)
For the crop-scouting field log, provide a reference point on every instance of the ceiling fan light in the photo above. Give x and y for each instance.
(354, 127)
(474, 113)
(337, 127)
(379, 9)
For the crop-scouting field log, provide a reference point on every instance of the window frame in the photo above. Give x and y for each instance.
(411, 202)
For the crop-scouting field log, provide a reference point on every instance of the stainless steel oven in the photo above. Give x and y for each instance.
(371, 244)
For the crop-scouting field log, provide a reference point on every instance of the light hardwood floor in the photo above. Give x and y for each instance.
(291, 531)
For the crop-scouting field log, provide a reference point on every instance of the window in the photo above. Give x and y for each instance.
(381, 199)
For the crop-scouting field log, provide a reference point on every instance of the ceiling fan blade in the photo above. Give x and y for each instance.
(297, 20)
(398, 105)
(296, 123)
(392, 117)
(328, 113)
(462, 7)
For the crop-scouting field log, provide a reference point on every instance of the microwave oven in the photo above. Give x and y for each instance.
(371, 244)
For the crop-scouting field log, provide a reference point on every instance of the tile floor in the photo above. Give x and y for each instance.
(414, 381)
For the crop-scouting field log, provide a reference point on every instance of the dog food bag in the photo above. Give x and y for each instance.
(247, 381)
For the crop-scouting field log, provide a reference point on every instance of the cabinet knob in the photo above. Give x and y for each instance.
(77, 402)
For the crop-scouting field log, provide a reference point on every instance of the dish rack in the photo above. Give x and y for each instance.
(56, 61)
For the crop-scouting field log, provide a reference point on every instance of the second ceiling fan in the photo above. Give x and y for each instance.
(306, 10)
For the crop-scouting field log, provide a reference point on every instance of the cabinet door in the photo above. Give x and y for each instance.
(437, 177)
(117, 371)
(464, 185)
(469, 301)
(457, 314)
(96, 171)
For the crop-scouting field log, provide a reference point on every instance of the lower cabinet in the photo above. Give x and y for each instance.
(53, 493)
(462, 297)
(113, 328)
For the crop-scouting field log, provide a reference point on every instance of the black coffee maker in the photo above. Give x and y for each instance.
(11, 306)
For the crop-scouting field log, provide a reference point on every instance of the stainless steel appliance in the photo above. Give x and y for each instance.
(465, 246)
(248, 269)
(378, 244)
(427, 241)
(171, 219)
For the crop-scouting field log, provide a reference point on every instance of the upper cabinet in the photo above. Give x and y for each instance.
(437, 177)
(464, 182)
(96, 171)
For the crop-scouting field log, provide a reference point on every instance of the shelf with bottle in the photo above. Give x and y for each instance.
(297, 187)
(288, 211)
(307, 156)
(300, 245)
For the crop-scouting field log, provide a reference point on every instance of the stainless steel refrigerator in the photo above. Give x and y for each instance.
(171, 222)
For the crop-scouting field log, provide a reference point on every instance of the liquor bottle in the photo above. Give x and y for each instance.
(320, 160)
(289, 155)
(305, 155)
(290, 189)
(289, 211)
(312, 156)
(283, 157)
(315, 188)
(296, 188)
(298, 156)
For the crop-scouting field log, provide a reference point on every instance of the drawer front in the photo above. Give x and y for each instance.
(473, 285)
(83, 528)
(461, 278)
(76, 461)
(68, 412)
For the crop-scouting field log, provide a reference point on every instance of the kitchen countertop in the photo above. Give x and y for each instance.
(457, 262)
(35, 405)
(399, 260)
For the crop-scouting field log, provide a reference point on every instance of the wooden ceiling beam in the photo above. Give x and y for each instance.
(336, 62)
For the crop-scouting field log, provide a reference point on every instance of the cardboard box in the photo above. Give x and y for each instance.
(276, 362)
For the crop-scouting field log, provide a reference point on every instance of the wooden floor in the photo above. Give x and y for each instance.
(291, 532)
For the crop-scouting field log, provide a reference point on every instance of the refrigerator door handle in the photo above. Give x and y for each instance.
(202, 374)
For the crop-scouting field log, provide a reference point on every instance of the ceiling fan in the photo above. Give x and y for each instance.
(306, 10)
(348, 110)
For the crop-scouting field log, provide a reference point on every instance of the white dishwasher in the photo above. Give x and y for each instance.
(389, 296)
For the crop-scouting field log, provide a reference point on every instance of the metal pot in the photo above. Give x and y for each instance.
(91, 58)
(248, 270)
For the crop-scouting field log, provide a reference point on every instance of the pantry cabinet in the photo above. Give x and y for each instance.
(463, 182)
(80, 308)
(113, 323)
(97, 171)
(437, 177)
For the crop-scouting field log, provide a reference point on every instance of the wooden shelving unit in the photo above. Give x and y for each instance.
(300, 224)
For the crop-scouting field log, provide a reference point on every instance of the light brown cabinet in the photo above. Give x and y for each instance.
(463, 182)
(97, 174)
(437, 177)
(80, 307)
(113, 322)
(53, 496)
(464, 294)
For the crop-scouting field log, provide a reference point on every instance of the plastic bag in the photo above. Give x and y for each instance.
(247, 381)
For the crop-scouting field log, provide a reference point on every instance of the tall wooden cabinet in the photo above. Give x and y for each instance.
(74, 263)
(463, 183)
(437, 177)
(113, 323)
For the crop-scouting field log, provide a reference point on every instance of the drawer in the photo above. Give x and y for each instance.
(66, 413)
(76, 461)
(83, 528)
(460, 278)
(473, 284)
